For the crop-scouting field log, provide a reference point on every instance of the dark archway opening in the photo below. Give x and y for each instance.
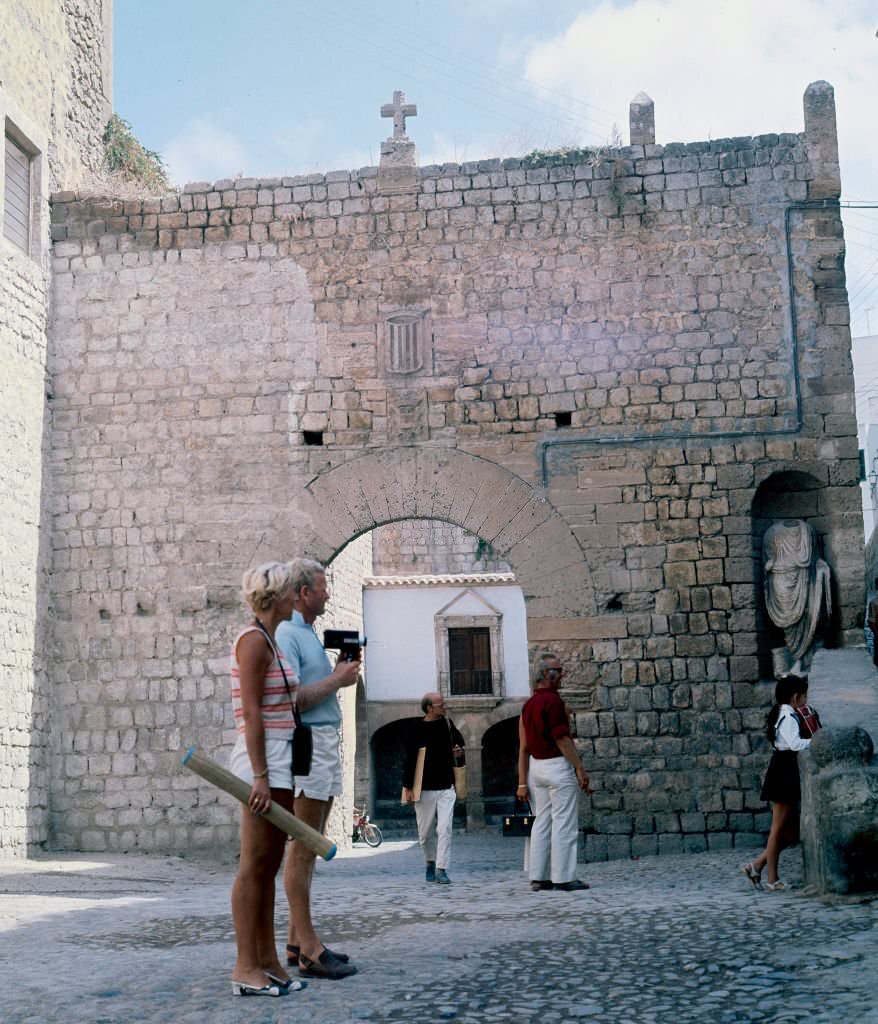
(388, 758)
(499, 767)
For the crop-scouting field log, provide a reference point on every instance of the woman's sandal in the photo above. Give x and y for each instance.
(753, 875)
(287, 984)
(241, 988)
(777, 886)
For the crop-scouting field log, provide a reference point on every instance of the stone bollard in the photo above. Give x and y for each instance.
(839, 822)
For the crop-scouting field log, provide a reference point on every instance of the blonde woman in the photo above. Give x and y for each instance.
(263, 690)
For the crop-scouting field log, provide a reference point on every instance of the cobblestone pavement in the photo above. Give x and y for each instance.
(117, 939)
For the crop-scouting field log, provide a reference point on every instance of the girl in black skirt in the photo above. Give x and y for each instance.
(781, 785)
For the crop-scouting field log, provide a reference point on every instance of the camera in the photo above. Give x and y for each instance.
(348, 642)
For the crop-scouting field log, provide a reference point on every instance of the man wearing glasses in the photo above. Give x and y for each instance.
(550, 775)
(434, 807)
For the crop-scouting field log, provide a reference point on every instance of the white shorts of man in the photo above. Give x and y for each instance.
(325, 778)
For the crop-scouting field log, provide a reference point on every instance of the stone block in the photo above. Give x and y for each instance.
(839, 821)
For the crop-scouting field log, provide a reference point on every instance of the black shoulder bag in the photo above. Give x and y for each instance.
(303, 741)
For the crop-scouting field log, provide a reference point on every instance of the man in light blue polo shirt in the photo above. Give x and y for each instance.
(313, 794)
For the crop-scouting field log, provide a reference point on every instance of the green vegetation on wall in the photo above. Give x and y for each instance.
(125, 156)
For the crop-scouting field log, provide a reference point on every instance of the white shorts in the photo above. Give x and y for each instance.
(324, 780)
(278, 758)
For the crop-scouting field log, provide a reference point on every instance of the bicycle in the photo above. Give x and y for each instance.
(366, 830)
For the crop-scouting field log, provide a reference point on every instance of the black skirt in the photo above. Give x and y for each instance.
(781, 783)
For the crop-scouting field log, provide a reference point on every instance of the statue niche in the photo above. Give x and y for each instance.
(796, 583)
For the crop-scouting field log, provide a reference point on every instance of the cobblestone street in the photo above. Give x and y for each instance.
(90, 939)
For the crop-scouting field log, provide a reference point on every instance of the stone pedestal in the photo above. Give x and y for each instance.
(641, 120)
(839, 824)
(398, 170)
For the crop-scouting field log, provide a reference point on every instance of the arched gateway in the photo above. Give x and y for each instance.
(468, 491)
(487, 500)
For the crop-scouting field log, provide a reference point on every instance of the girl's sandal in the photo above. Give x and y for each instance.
(777, 886)
(753, 875)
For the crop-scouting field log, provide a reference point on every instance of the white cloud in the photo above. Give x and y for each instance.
(204, 150)
(714, 70)
(724, 69)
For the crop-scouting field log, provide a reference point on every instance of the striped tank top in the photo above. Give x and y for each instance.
(277, 711)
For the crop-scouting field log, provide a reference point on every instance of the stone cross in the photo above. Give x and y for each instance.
(399, 110)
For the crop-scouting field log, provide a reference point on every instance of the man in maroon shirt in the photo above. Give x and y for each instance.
(550, 774)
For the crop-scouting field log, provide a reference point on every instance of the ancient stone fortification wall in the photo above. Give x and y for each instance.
(52, 103)
(56, 60)
(616, 330)
(24, 720)
(427, 546)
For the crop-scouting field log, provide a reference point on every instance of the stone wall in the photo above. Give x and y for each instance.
(56, 60)
(345, 611)
(53, 102)
(428, 547)
(24, 720)
(601, 364)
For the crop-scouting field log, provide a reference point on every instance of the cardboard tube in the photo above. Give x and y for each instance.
(281, 818)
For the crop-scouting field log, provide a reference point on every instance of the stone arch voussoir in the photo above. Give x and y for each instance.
(481, 496)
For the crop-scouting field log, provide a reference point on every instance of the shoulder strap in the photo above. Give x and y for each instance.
(296, 715)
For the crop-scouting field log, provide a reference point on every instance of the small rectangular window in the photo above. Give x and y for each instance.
(470, 661)
(17, 195)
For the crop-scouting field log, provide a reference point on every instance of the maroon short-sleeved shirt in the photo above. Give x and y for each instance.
(545, 722)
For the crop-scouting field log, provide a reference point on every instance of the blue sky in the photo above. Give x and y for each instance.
(272, 87)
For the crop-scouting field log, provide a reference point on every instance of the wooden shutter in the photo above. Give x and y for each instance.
(16, 206)
(470, 660)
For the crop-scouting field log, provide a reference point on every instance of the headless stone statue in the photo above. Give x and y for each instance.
(796, 590)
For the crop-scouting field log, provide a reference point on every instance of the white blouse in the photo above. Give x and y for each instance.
(786, 734)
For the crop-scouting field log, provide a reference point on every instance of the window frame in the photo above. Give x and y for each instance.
(12, 144)
(29, 139)
(491, 618)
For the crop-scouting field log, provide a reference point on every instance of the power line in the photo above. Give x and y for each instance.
(858, 297)
(467, 56)
(855, 287)
(407, 74)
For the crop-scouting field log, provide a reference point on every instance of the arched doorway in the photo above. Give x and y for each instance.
(388, 757)
(499, 768)
(501, 510)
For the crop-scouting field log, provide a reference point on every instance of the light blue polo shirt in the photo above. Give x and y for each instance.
(300, 646)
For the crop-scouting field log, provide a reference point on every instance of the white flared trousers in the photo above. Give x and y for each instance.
(435, 814)
(554, 793)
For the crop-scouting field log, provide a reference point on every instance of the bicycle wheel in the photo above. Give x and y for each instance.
(372, 834)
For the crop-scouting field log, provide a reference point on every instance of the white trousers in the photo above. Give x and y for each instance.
(554, 793)
(435, 814)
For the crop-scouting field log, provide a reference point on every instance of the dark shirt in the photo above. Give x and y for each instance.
(545, 722)
(439, 759)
